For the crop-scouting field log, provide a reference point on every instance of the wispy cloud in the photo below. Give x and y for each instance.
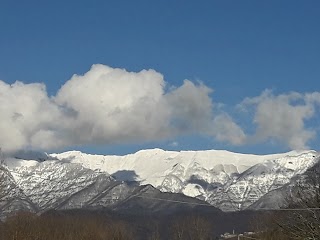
(174, 144)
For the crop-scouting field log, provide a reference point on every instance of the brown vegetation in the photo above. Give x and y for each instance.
(191, 228)
(29, 226)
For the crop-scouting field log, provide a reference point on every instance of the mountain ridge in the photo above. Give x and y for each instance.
(229, 181)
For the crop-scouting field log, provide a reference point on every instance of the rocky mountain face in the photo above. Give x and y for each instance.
(46, 183)
(228, 181)
(12, 198)
(302, 191)
(254, 183)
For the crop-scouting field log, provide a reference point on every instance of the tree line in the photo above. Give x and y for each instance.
(29, 226)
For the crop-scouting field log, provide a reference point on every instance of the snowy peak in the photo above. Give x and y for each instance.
(227, 180)
(156, 162)
(260, 179)
(58, 184)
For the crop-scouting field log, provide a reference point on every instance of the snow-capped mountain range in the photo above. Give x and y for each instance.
(229, 181)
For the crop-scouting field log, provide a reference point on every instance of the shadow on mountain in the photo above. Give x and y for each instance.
(205, 185)
(195, 180)
(126, 175)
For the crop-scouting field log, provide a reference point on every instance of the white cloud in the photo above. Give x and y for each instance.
(283, 117)
(25, 110)
(108, 105)
(226, 130)
(191, 107)
(114, 105)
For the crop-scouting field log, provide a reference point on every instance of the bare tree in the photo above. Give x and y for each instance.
(191, 228)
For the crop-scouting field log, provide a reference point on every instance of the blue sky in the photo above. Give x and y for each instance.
(237, 48)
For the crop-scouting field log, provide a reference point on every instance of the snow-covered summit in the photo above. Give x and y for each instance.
(153, 165)
(230, 181)
(212, 175)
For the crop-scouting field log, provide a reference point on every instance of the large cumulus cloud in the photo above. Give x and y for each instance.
(27, 115)
(109, 105)
(113, 106)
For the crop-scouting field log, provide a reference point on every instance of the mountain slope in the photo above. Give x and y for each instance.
(230, 181)
(12, 198)
(260, 179)
(40, 185)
